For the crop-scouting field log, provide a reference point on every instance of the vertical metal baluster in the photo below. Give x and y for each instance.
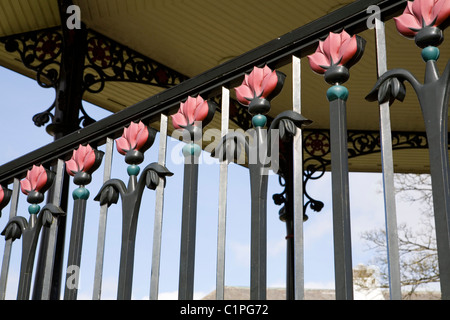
(48, 270)
(189, 226)
(102, 224)
(337, 96)
(159, 206)
(8, 244)
(98, 277)
(388, 173)
(299, 275)
(341, 200)
(258, 245)
(75, 249)
(223, 183)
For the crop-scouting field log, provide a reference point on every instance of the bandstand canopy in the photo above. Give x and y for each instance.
(194, 36)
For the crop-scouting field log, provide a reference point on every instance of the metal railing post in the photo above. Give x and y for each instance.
(159, 206)
(299, 272)
(223, 183)
(8, 244)
(102, 225)
(387, 159)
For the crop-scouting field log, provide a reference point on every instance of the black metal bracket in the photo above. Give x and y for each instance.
(106, 61)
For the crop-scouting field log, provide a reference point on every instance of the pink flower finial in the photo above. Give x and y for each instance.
(136, 139)
(36, 180)
(194, 114)
(258, 88)
(36, 183)
(85, 160)
(5, 196)
(421, 20)
(336, 55)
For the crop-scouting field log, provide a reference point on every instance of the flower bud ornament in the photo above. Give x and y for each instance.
(85, 160)
(258, 88)
(336, 55)
(194, 114)
(136, 139)
(36, 183)
(424, 20)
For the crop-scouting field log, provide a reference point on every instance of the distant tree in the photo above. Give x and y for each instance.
(417, 244)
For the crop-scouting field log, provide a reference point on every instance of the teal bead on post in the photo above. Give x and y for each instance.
(81, 194)
(192, 149)
(34, 209)
(259, 121)
(133, 170)
(431, 54)
(337, 92)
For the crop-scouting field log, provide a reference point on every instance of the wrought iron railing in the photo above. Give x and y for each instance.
(254, 78)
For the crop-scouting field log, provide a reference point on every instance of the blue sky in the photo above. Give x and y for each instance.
(22, 98)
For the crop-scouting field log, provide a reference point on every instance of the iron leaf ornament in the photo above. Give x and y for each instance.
(391, 90)
(15, 228)
(108, 196)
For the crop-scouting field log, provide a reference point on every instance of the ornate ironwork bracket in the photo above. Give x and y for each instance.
(106, 61)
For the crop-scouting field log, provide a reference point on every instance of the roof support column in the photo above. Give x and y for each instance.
(68, 103)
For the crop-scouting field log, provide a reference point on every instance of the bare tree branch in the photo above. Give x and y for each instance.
(417, 246)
